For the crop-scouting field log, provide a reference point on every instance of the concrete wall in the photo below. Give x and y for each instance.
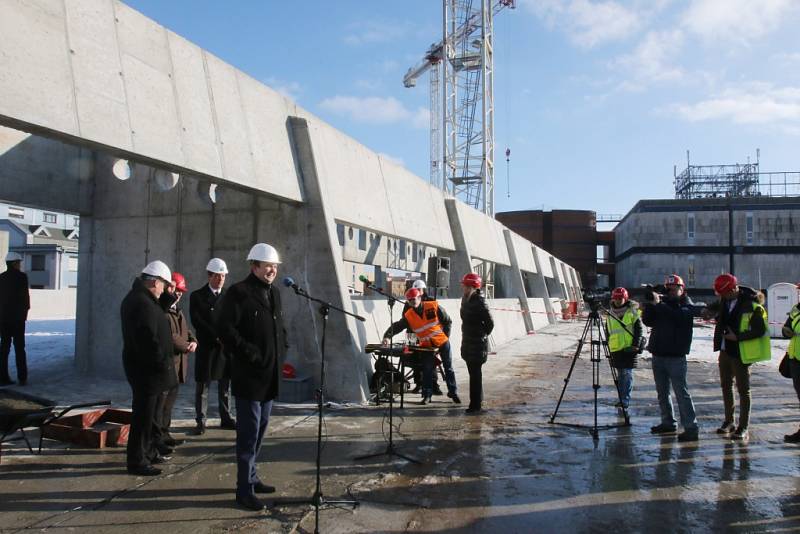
(52, 304)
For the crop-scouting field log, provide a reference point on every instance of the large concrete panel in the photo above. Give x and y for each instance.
(35, 77)
(524, 252)
(483, 235)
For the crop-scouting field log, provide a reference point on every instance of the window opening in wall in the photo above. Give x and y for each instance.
(50, 218)
(340, 233)
(402, 249)
(414, 252)
(350, 233)
(362, 239)
(16, 213)
(72, 264)
(690, 226)
(749, 227)
(37, 262)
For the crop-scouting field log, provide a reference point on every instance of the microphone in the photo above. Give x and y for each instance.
(364, 279)
(289, 282)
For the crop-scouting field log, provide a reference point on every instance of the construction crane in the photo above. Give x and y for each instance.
(461, 70)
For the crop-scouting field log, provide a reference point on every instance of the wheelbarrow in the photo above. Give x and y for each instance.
(19, 411)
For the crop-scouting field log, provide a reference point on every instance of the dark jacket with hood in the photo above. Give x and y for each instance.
(147, 342)
(181, 337)
(627, 358)
(671, 322)
(476, 325)
(732, 318)
(250, 325)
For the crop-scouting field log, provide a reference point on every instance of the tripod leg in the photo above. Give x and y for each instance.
(581, 341)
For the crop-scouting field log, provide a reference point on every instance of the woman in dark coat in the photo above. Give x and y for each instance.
(476, 325)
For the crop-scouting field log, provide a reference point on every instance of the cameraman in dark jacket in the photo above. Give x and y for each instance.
(741, 327)
(670, 319)
(476, 325)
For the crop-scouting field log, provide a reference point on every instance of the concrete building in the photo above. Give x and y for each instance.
(755, 238)
(166, 152)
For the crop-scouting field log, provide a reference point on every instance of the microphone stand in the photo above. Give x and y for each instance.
(390, 450)
(317, 499)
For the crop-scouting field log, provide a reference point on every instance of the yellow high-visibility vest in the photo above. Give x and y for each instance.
(794, 344)
(618, 336)
(758, 349)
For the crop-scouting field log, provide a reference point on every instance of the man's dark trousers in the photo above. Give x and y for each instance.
(13, 332)
(252, 418)
(140, 440)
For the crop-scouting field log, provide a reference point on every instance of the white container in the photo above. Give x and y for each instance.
(781, 297)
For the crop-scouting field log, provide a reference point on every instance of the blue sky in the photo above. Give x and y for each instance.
(597, 100)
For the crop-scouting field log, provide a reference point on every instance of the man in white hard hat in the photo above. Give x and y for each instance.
(250, 326)
(211, 362)
(147, 359)
(14, 305)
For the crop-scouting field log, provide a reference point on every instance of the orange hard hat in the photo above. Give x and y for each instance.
(472, 280)
(619, 293)
(413, 293)
(725, 283)
(674, 280)
(180, 282)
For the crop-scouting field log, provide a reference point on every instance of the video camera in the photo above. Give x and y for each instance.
(650, 291)
(596, 297)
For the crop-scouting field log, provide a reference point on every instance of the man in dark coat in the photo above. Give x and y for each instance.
(250, 325)
(148, 363)
(211, 360)
(476, 325)
(14, 305)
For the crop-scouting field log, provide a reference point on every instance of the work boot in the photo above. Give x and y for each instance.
(437, 390)
(199, 430)
(792, 438)
(454, 396)
(250, 502)
(726, 428)
(662, 429)
(688, 435)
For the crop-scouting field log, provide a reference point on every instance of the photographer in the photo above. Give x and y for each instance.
(670, 317)
(624, 333)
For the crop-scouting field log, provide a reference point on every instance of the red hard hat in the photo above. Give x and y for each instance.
(180, 282)
(413, 293)
(472, 280)
(725, 283)
(619, 293)
(674, 280)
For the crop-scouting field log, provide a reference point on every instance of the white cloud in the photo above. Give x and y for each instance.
(392, 159)
(373, 31)
(376, 110)
(288, 89)
(587, 23)
(651, 61)
(754, 103)
(736, 20)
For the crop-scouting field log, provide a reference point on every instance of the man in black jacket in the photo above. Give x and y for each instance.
(671, 321)
(147, 359)
(211, 360)
(250, 325)
(14, 305)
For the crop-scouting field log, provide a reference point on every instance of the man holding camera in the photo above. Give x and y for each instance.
(670, 318)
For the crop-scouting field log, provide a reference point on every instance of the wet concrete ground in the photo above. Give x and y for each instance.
(508, 470)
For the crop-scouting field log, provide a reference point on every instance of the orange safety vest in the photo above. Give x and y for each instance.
(427, 328)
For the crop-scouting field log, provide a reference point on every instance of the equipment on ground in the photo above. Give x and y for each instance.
(217, 266)
(594, 332)
(158, 269)
(264, 252)
(438, 274)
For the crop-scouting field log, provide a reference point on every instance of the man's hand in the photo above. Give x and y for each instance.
(729, 335)
(192, 346)
(386, 341)
(787, 332)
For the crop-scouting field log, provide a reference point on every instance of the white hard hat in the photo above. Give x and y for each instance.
(419, 284)
(13, 256)
(216, 265)
(158, 269)
(264, 252)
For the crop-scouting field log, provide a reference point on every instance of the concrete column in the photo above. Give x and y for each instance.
(539, 276)
(460, 260)
(517, 283)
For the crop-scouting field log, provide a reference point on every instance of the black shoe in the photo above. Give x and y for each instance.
(662, 429)
(228, 425)
(437, 391)
(7, 382)
(455, 398)
(741, 433)
(250, 502)
(199, 430)
(144, 471)
(416, 389)
(260, 487)
(172, 442)
(472, 411)
(688, 435)
(164, 450)
(726, 428)
(792, 438)
(160, 459)
(425, 400)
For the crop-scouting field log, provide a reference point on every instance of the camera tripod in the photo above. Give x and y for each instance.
(594, 332)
